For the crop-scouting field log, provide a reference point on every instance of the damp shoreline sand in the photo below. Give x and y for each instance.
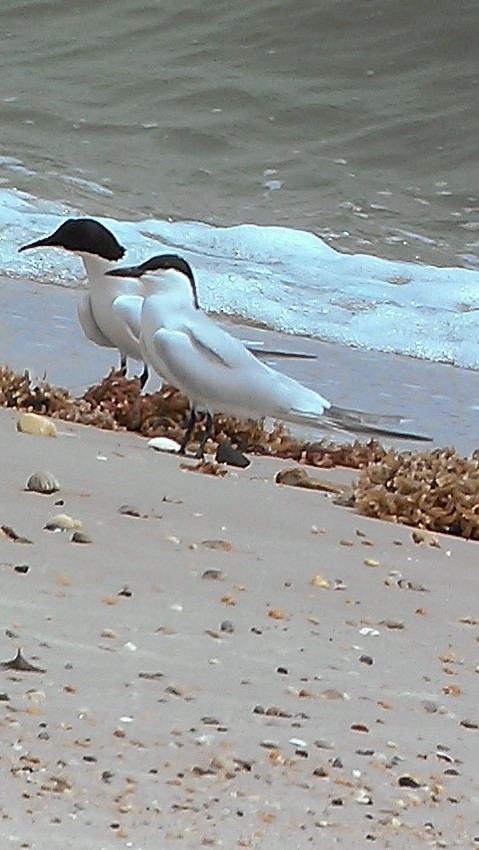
(319, 686)
(40, 332)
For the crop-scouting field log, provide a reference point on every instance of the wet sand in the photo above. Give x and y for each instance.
(241, 665)
(39, 331)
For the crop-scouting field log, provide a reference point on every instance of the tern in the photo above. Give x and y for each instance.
(99, 250)
(216, 372)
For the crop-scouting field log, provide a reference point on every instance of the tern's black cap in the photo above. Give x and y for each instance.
(82, 234)
(154, 264)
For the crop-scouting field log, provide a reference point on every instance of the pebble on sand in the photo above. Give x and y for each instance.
(32, 423)
(43, 482)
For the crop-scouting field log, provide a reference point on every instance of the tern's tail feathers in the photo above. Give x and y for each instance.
(359, 422)
(262, 353)
(362, 417)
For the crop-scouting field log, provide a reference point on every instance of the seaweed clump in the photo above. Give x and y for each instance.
(116, 403)
(437, 490)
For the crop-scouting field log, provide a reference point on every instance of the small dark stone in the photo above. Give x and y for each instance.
(129, 510)
(366, 659)
(21, 568)
(226, 453)
(282, 670)
(214, 575)
(4, 696)
(80, 537)
(227, 626)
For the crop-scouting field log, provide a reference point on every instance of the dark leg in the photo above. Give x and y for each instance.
(190, 424)
(207, 429)
(123, 365)
(144, 376)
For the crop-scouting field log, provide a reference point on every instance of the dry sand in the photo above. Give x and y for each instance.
(338, 713)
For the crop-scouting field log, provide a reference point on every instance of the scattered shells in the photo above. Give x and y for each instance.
(8, 531)
(164, 444)
(205, 467)
(421, 536)
(214, 575)
(320, 581)
(408, 781)
(62, 522)
(32, 423)
(276, 614)
(221, 545)
(129, 510)
(43, 482)
(80, 537)
(470, 724)
(297, 476)
(20, 663)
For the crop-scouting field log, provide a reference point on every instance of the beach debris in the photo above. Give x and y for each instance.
(227, 626)
(226, 453)
(297, 476)
(320, 581)
(33, 423)
(470, 724)
(371, 562)
(80, 537)
(205, 467)
(14, 536)
(164, 444)
(62, 522)
(129, 510)
(20, 663)
(346, 499)
(276, 614)
(354, 456)
(214, 575)
(409, 781)
(432, 490)
(421, 536)
(220, 545)
(43, 482)
(436, 491)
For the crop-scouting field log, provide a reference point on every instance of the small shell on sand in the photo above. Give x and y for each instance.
(32, 423)
(164, 444)
(80, 537)
(43, 482)
(60, 522)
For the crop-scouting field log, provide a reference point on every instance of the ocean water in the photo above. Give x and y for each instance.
(315, 162)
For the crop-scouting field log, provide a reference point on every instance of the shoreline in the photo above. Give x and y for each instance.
(40, 332)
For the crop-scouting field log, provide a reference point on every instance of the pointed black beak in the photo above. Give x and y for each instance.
(40, 243)
(125, 271)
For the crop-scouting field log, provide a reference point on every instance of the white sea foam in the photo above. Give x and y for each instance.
(288, 279)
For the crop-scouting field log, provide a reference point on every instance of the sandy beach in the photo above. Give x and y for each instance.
(241, 664)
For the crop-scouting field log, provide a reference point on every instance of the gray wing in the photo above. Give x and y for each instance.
(216, 369)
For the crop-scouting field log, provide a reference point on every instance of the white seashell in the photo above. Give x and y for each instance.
(32, 423)
(43, 482)
(164, 444)
(60, 522)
